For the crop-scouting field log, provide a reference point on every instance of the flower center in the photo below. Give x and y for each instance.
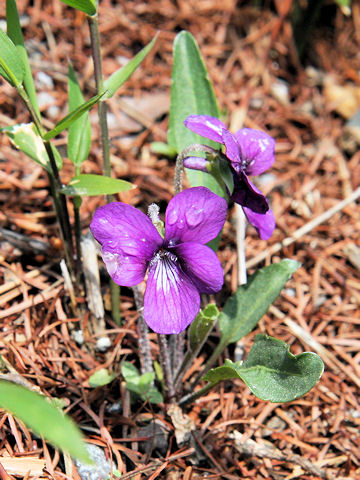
(163, 255)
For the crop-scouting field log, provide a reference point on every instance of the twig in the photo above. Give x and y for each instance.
(304, 229)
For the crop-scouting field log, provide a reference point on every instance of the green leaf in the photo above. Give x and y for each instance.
(11, 65)
(72, 117)
(120, 76)
(15, 34)
(86, 6)
(43, 418)
(163, 149)
(244, 309)
(202, 325)
(88, 184)
(79, 138)
(272, 372)
(25, 137)
(191, 93)
(101, 377)
(142, 385)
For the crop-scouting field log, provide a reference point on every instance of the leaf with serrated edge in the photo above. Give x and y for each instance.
(245, 308)
(43, 418)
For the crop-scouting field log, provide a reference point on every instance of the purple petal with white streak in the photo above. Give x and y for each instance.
(128, 239)
(171, 300)
(202, 266)
(264, 224)
(196, 163)
(194, 215)
(257, 149)
(206, 126)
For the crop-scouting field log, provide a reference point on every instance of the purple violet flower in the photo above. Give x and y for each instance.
(180, 265)
(250, 152)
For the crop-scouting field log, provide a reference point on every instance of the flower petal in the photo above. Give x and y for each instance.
(257, 150)
(232, 149)
(125, 270)
(171, 300)
(122, 229)
(264, 224)
(195, 214)
(206, 126)
(247, 195)
(201, 265)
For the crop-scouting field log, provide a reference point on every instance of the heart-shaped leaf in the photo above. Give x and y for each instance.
(271, 371)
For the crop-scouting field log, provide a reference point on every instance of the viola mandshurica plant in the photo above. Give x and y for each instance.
(249, 152)
(180, 265)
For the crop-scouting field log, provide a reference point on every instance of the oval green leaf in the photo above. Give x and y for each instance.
(119, 77)
(245, 308)
(100, 378)
(88, 184)
(11, 65)
(72, 117)
(25, 137)
(272, 372)
(86, 6)
(191, 93)
(79, 138)
(43, 418)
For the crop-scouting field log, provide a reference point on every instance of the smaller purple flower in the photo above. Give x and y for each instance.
(180, 266)
(250, 152)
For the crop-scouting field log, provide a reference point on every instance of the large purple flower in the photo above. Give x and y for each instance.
(250, 152)
(180, 265)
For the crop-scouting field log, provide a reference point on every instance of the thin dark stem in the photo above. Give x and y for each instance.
(143, 331)
(77, 203)
(166, 367)
(194, 395)
(60, 204)
(217, 352)
(105, 141)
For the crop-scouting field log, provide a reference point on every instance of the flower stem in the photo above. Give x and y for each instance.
(144, 344)
(166, 367)
(105, 141)
(217, 352)
(190, 397)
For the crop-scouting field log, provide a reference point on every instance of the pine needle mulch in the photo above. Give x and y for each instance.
(259, 82)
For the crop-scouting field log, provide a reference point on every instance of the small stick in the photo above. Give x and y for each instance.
(304, 229)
